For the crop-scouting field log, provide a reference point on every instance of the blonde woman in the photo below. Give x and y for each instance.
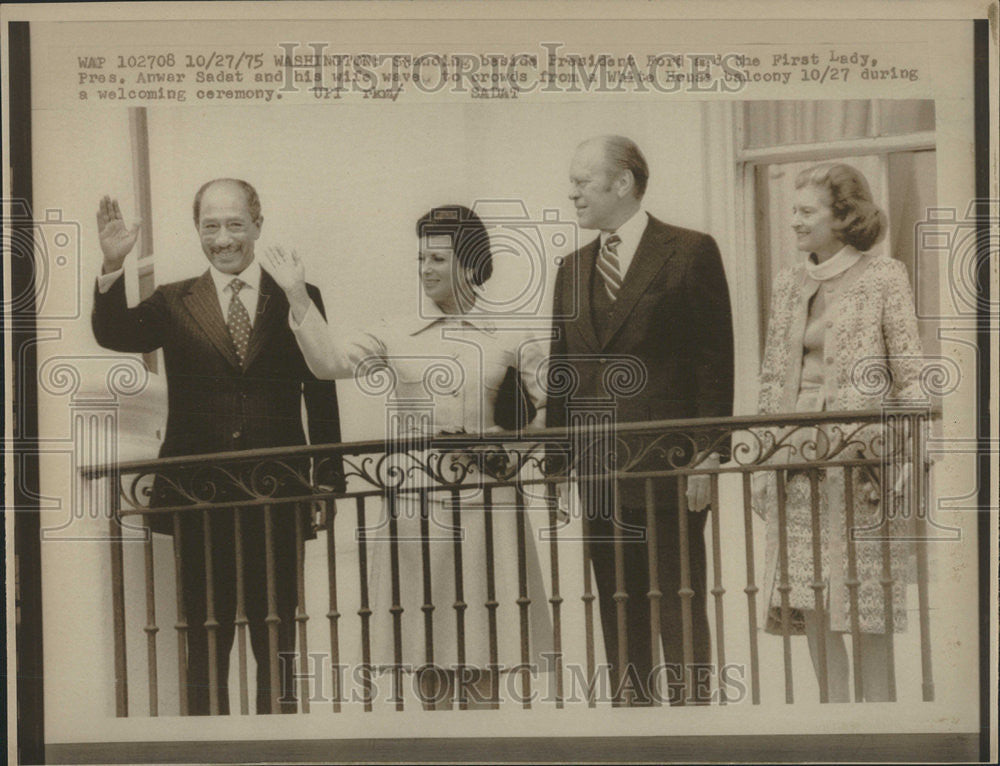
(835, 311)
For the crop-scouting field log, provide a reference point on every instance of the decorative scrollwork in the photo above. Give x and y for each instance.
(375, 376)
(58, 376)
(127, 377)
(454, 462)
(563, 378)
(806, 443)
(939, 376)
(443, 376)
(209, 483)
(871, 376)
(624, 376)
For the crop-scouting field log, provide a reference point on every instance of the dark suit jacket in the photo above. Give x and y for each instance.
(214, 405)
(672, 314)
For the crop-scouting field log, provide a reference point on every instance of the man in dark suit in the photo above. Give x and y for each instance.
(235, 381)
(656, 294)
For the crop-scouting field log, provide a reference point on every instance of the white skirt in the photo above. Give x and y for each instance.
(442, 551)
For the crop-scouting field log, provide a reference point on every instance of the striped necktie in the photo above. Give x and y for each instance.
(607, 264)
(238, 320)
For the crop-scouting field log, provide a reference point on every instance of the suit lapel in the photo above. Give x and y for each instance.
(587, 261)
(203, 303)
(650, 257)
(268, 313)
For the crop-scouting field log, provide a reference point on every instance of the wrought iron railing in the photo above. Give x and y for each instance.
(888, 446)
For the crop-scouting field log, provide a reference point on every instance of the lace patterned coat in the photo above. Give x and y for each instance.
(871, 351)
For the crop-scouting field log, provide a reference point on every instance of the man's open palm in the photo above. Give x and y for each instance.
(116, 240)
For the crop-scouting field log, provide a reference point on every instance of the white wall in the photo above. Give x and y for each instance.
(345, 185)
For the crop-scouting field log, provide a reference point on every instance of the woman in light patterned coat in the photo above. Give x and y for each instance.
(841, 320)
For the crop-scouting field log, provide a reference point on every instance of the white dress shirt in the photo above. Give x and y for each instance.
(630, 233)
(249, 294)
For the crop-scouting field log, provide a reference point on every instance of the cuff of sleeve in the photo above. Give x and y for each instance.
(305, 319)
(105, 281)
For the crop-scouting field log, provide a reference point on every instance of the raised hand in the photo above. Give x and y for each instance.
(117, 241)
(287, 270)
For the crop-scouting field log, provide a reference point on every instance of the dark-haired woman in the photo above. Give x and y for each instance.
(833, 316)
(445, 364)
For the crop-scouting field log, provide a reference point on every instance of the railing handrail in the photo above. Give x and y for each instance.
(417, 442)
(283, 481)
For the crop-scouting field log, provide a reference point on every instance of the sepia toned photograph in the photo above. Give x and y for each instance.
(497, 383)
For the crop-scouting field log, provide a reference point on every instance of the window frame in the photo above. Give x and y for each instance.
(748, 160)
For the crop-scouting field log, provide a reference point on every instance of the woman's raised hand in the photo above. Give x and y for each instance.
(286, 269)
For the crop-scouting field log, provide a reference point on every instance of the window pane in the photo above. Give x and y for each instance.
(782, 123)
(912, 191)
(779, 123)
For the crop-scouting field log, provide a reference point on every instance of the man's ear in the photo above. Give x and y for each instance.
(259, 223)
(626, 182)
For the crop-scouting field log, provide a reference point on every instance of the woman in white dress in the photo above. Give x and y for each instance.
(445, 364)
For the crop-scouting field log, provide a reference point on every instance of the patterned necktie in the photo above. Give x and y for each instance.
(238, 320)
(607, 264)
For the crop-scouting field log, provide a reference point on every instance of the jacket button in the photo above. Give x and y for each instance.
(237, 434)
(602, 360)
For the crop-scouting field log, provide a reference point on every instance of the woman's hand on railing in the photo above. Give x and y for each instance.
(904, 476)
(871, 484)
(496, 460)
(762, 484)
(699, 486)
(563, 502)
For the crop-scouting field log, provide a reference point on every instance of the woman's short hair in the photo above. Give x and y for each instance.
(469, 238)
(859, 222)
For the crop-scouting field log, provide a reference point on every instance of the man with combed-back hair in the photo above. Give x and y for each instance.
(657, 295)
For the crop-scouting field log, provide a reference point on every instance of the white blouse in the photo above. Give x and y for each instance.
(448, 367)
